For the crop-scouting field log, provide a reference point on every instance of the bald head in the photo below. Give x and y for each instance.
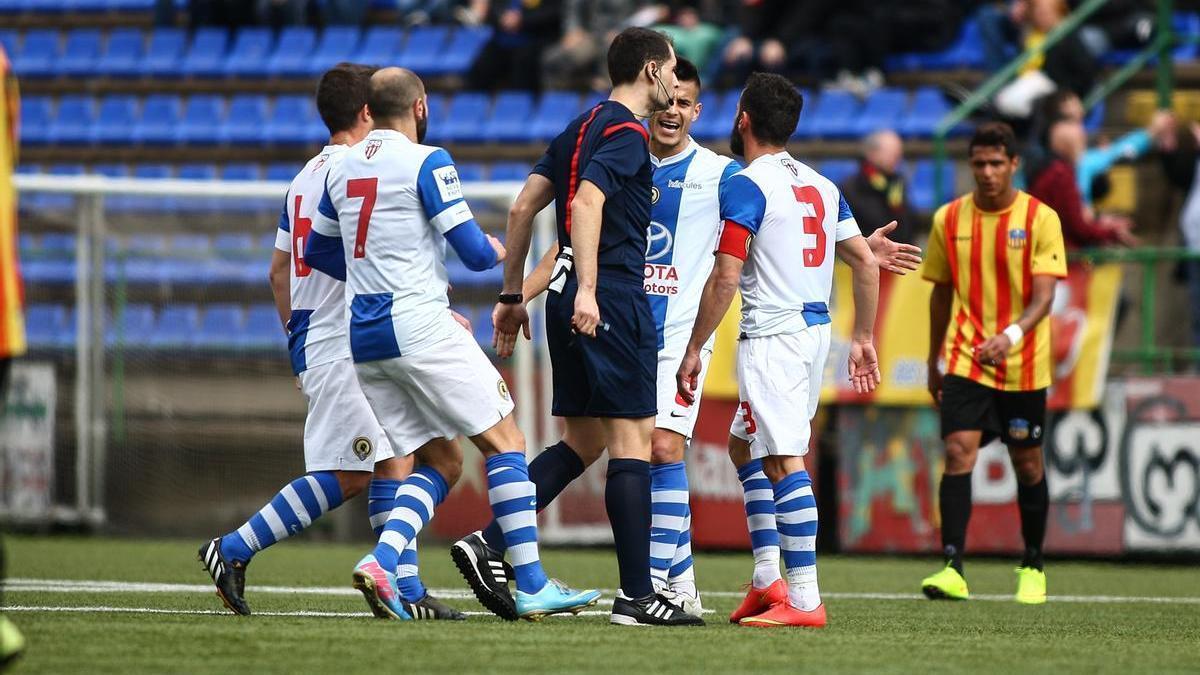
(393, 92)
(884, 150)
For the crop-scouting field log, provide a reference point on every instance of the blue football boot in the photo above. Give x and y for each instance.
(378, 586)
(554, 598)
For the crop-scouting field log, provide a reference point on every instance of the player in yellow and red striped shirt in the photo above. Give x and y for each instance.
(994, 257)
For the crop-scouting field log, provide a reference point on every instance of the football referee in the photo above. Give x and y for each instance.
(994, 258)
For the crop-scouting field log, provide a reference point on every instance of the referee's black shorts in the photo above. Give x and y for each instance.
(1018, 418)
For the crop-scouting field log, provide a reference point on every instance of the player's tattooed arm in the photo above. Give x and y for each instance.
(864, 362)
(893, 256)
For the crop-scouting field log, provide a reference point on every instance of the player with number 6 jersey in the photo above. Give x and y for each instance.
(778, 245)
(388, 210)
(345, 450)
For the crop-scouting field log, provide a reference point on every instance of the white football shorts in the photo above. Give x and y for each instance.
(779, 386)
(673, 414)
(340, 432)
(443, 390)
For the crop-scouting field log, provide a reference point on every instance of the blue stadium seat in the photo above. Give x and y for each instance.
(965, 52)
(292, 122)
(471, 172)
(233, 244)
(284, 171)
(206, 53)
(1094, 118)
(266, 241)
(220, 326)
(423, 49)
(241, 171)
(176, 326)
(928, 108)
(464, 47)
(45, 325)
(244, 171)
(247, 57)
(514, 171)
(190, 245)
(838, 170)
(883, 109)
(73, 124)
(291, 54)
(134, 325)
(921, 192)
(160, 120)
(110, 170)
(39, 51)
(832, 117)
(58, 244)
(337, 44)
(554, 111)
(461, 277)
(36, 116)
(509, 122)
(245, 121)
(143, 203)
(81, 53)
(202, 119)
(380, 46)
(164, 53)
(115, 121)
(145, 245)
(123, 53)
(197, 204)
(10, 39)
(465, 116)
(262, 329)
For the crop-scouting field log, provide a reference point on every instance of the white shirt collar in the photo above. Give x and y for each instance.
(677, 157)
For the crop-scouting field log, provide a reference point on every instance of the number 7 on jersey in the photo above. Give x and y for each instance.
(366, 190)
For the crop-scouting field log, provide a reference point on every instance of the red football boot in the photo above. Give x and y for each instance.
(784, 615)
(759, 600)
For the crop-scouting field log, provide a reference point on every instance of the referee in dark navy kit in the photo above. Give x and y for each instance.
(603, 345)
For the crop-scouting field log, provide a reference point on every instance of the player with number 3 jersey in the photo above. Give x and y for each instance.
(777, 246)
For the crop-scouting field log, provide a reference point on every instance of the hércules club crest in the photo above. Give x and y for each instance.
(372, 148)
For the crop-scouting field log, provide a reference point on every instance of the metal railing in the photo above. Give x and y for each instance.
(1149, 355)
(1160, 47)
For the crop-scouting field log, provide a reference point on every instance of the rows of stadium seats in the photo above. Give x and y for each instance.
(217, 326)
(61, 6)
(921, 183)
(185, 259)
(466, 117)
(251, 53)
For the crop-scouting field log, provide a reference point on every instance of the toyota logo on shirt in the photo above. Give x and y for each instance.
(658, 241)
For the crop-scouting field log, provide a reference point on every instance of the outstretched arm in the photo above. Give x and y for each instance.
(864, 363)
(893, 256)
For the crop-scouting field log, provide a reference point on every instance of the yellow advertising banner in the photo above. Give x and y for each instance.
(1081, 320)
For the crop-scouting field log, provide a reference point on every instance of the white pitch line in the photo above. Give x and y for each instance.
(22, 585)
(100, 609)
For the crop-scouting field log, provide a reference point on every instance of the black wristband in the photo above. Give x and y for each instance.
(511, 298)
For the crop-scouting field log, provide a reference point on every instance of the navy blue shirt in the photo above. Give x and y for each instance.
(607, 146)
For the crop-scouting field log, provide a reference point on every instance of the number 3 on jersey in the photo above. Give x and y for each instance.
(807, 194)
(366, 190)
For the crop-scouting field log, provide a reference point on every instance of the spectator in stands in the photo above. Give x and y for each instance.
(1180, 153)
(1067, 65)
(588, 28)
(1056, 185)
(421, 12)
(523, 29)
(224, 13)
(876, 193)
(695, 38)
(763, 25)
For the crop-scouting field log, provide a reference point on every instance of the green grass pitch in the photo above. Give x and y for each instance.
(877, 624)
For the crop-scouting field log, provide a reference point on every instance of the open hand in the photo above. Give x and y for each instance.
(507, 321)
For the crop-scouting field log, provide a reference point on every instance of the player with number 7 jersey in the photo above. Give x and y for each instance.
(389, 209)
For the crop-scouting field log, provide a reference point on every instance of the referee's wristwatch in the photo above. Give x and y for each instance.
(511, 298)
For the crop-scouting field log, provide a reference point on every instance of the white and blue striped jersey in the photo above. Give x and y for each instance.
(390, 201)
(796, 217)
(317, 327)
(687, 209)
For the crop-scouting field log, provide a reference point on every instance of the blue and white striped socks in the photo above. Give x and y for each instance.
(294, 508)
(416, 500)
(514, 506)
(683, 570)
(381, 498)
(668, 518)
(796, 514)
(759, 499)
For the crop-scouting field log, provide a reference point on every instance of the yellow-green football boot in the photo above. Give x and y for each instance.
(1031, 586)
(947, 584)
(12, 643)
